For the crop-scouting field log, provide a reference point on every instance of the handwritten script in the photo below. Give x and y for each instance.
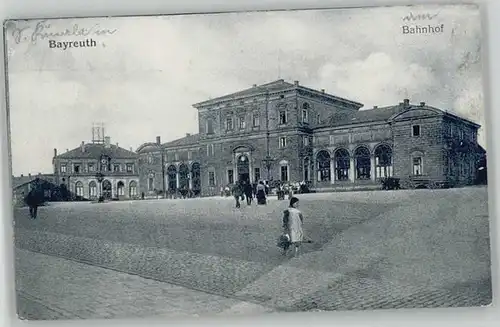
(417, 17)
(43, 30)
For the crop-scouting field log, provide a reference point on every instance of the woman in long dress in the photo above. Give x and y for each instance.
(261, 193)
(292, 225)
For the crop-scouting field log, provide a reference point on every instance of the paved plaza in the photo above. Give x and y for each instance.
(380, 249)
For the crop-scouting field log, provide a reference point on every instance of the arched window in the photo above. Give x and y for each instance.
(362, 159)
(172, 177)
(121, 188)
(323, 159)
(92, 189)
(383, 161)
(196, 176)
(342, 165)
(183, 177)
(79, 188)
(132, 189)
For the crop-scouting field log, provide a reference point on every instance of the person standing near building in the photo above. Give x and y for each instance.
(237, 193)
(292, 225)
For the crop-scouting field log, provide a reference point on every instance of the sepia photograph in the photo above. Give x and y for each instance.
(248, 163)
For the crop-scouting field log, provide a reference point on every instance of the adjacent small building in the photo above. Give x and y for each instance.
(98, 169)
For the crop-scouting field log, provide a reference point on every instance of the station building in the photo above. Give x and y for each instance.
(287, 132)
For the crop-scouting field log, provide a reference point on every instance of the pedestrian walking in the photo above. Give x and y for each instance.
(292, 226)
(261, 193)
(237, 193)
(33, 200)
(248, 192)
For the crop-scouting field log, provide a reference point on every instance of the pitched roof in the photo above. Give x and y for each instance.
(362, 116)
(18, 181)
(191, 139)
(95, 150)
(278, 85)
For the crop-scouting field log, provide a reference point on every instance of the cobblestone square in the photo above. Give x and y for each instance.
(371, 250)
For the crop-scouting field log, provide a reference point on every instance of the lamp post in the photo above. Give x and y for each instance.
(100, 177)
(163, 152)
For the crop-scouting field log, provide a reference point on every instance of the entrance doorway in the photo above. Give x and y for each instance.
(106, 189)
(243, 167)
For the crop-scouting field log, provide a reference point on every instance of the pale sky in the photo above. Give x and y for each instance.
(142, 80)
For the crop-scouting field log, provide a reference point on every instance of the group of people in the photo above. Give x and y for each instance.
(245, 190)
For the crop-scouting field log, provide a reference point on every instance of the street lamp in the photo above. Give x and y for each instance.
(163, 153)
(100, 177)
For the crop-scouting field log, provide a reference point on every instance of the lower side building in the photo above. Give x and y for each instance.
(111, 187)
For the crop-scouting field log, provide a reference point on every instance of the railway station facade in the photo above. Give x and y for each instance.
(287, 132)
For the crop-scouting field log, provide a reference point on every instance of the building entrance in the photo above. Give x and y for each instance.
(243, 168)
(106, 189)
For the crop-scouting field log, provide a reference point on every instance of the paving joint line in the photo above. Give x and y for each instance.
(67, 314)
(167, 281)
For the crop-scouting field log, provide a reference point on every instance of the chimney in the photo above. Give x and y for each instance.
(422, 104)
(158, 140)
(107, 141)
(296, 83)
(29, 175)
(255, 85)
(131, 149)
(322, 90)
(22, 175)
(375, 107)
(116, 144)
(82, 146)
(188, 134)
(406, 103)
(55, 152)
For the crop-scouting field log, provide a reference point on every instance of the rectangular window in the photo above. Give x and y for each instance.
(284, 173)
(190, 155)
(116, 168)
(151, 184)
(305, 140)
(242, 122)
(257, 174)
(417, 166)
(229, 123)
(256, 120)
(211, 178)
(230, 176)
(91, 167)
(416, 130)
(176, 156)
(282, 142)
(76, 168)
(63, 168)
(460, 134)
(318, 119)
(130, 168)
(305, 116)
(210, 126)
(210, 150)
(283, 117)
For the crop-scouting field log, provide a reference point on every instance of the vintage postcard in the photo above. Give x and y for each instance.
(248, 163)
